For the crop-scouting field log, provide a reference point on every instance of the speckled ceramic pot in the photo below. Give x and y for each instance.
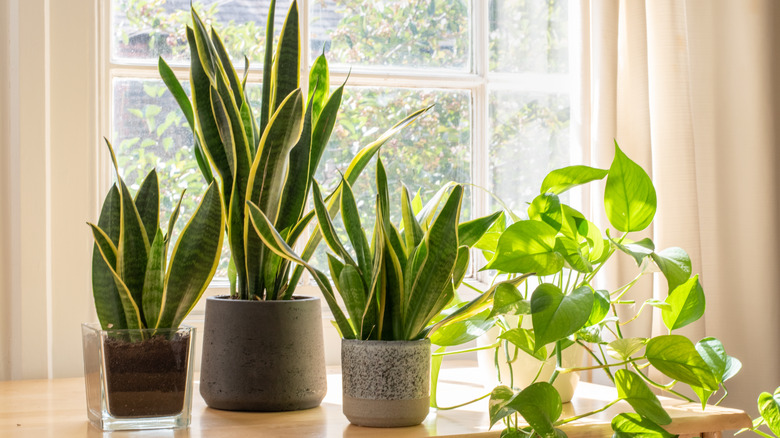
(263, 355)
(386, 383)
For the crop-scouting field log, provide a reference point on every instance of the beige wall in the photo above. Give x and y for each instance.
(5, 196)
(48, 191)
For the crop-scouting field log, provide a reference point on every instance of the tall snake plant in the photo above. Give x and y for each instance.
(134, 284)
(271, 161)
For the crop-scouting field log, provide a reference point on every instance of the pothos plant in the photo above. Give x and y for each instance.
(270, 161)
(396, 286)
(134, 283)
(563, 252)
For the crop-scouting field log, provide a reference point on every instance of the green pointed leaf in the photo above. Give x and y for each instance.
(276, 243)
(225, 66)
(769, 408)
(436, 270)
(675, 356)
(601, 306)
(638, 250)
(147, 201)
(635, 391)
(469, 233)
(524, 340)
(357, 237)
(498, 405)
(265, 108)
(540, 405)
(460, 332)
(722, 365)
(635, 426)
(687, 304)
(107, 302)
(354, 295)
(172, 221)
(461, 266)
(629, 196)
(413, 233)
(546, 208)
(133, 247)
(624, 348)
(525, 247)
(328, 229)
(570, 250)
(208, 139)
(194, 260)
(154, 281)
(555, 315)
(174, 86)
(132, 314)
(319, 83)
(287, 59)
(675, 264)
(561, 180)
(509, 301)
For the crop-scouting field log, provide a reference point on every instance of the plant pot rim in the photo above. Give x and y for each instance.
(381, 342)
(97, 327)
(295, 299)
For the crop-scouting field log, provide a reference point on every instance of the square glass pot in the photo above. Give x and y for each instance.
(138, 379)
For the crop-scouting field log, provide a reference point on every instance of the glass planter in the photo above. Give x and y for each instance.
(138, 379)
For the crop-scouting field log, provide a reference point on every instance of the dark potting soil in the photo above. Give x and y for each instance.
(146, 378)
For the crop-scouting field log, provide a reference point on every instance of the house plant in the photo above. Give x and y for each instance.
(271, 162)
(138, 361)
(565, 251)
(392, 290)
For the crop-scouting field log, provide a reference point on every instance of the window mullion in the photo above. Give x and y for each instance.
(480, 126)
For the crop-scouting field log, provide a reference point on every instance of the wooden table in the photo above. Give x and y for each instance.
(57, 408)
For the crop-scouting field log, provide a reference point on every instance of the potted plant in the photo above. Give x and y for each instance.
(138, 360)
(392, 290)
(566, 308)
(263, 347)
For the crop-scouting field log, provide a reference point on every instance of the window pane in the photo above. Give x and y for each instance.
(529, 36)
(149, 131)
(143, 30)
(427, 154)
(529, 136)
(426, 33)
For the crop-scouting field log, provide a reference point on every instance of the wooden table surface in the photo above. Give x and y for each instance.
(57, 408)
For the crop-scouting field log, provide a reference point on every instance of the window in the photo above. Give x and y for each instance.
(497, 72)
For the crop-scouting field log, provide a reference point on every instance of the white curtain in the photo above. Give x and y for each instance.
(688, 90)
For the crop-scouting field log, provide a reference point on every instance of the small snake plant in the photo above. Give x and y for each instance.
(134, 284)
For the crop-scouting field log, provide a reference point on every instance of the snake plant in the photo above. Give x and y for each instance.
(271, 161)
(134, 284)
(395, 287)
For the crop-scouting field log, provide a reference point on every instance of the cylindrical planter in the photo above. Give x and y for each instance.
(263, 355)
(138, 379)
(386, 383)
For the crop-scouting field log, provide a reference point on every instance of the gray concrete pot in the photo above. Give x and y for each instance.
(263, 355)
(386, 383)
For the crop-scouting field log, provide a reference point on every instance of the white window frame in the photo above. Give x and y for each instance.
(478, 82)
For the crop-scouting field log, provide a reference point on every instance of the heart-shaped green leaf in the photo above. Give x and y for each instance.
(546, 208)
(540, 405)
(675, 264)
(601, 302)
(635, 426)
(556, 315)
(634, 390)
(498, 404)
(624, 348)
(723, 365)
(769, 408)
(638, 250)
(629, 196)
(687, 304)
(524, 340)
(675, 356)
(460, 332)
(560, 180)
(509, 301)
(525, 247)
